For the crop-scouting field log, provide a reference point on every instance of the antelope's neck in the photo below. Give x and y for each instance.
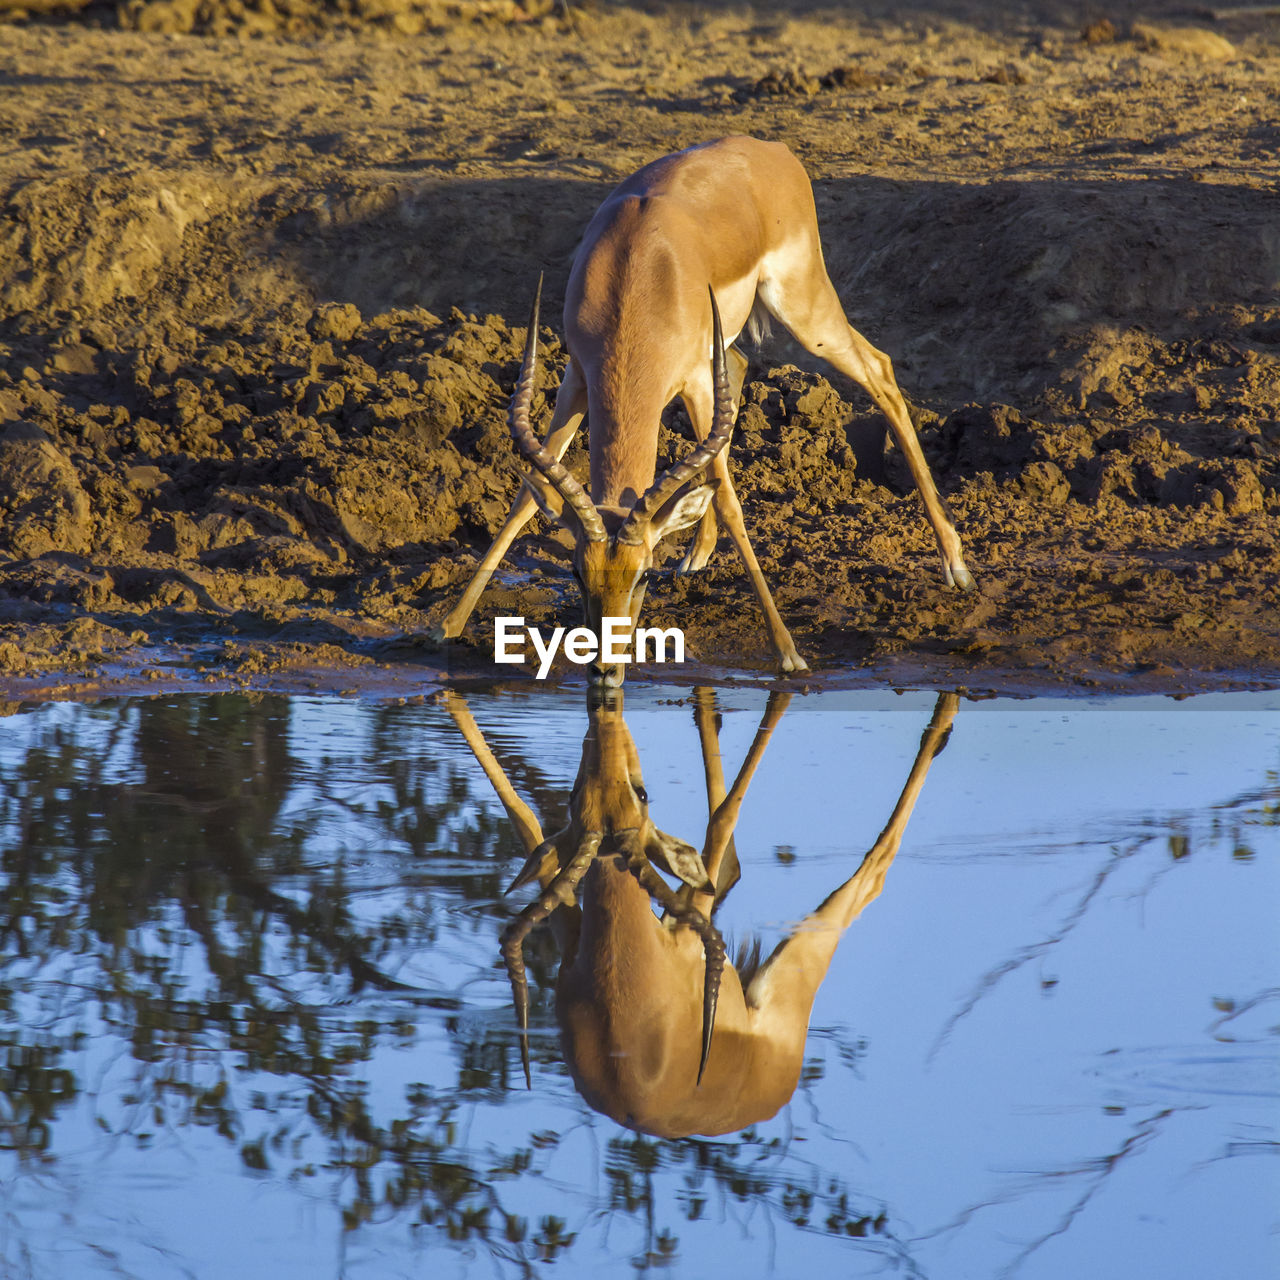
(628, 388)
(624, 448)
(630, 1012)
(627, 324)
(621, 937)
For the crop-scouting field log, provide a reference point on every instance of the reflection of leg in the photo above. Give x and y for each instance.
(522, 817)
(707, 719)
(848, 902)
(571, 405)
(718, 849)
(704, 542)
(724, 871)
(786, 984)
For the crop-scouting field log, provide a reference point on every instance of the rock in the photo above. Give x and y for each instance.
(322, 397)
(1191, 42)
(44, 506)
(74, 357)
(1110, 475)
(791, 83)
(992, 437)
(1044, 482)
(813, 400)
(145, 479)
(1230, 486)
(855, 77)
(1009, 73)
(175, 534)
(159, 15)
(1177, 489)
(1102, 31)
(340, 320)
(1239, 486)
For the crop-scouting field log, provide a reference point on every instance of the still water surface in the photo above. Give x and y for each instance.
(255, 1020)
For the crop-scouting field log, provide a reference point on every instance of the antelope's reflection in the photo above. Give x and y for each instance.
(659, 1031)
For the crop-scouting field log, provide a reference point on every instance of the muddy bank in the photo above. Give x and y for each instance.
(259, 319)
(338, 487)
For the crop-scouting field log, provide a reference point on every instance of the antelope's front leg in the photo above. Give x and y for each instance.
(698, 401)
(571, 406)
(729, 509)
(704, 541)
(703, 545)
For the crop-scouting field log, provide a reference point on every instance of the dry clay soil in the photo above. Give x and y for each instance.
(263, 274)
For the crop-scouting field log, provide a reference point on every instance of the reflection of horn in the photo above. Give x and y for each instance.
(712, 943)
(561, 892)
(545, 855)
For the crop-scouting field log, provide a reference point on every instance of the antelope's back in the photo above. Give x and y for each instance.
(629, 1003)
(709, 215)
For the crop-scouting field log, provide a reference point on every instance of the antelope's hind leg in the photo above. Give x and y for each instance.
(874, 371)
(571, 407)
(704, 540)
(807, 303)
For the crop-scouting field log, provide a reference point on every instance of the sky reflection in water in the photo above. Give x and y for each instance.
(255, 1021)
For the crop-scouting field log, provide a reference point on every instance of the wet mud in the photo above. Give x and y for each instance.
(261, 309)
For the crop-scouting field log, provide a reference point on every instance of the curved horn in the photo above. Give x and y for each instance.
(721, 429)
(561, 892)
(532, 448)
(713, 947)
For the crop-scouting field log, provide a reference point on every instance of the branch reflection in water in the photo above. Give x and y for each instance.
(208, 938)
(253, 1020)
(659, 1033)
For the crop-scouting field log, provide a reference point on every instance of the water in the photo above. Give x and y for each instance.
(254, 1018)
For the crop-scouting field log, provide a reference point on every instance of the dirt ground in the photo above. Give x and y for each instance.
(263, 273)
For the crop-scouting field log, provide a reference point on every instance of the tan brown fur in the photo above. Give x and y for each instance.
(738, 216)
(629, 993)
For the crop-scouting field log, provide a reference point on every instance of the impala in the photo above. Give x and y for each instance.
(735, 216)
(659, 1031)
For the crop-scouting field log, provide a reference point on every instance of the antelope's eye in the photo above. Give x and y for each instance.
(641, 794)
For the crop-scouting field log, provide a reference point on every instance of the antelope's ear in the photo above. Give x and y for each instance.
(550, 503)
(685, 508)
(541, 865)
(679, 859)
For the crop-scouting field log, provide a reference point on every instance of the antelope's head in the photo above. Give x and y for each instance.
(614, 546)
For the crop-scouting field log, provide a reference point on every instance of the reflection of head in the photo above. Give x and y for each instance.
(636, 994)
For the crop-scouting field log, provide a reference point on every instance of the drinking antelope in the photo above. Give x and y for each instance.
(659, 1031)
(736, 216)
